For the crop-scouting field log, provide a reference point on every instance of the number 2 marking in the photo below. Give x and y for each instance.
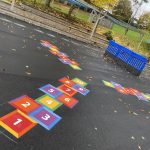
(26, 104)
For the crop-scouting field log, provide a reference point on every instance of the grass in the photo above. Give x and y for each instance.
(131, 40)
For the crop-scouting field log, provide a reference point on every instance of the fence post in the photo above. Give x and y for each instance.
(12, 5)
(95, 26)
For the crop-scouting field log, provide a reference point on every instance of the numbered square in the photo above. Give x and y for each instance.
(79, 81)
(45, 117)
(75, 67)
(49, 102)
(67, 90)
(51, 90)
(17, 123)
(67, 100)
(66, 81)
(25, 104)
(80, 89)
(109, 84)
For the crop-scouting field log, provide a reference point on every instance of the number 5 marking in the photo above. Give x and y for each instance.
(51, 90)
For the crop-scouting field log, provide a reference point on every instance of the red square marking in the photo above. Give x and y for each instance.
(67, 81)
(67, 100)
(74, 63)
(17, 123)
(67, 90)
(25, 104)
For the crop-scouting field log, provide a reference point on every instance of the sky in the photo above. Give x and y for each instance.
(144, 8)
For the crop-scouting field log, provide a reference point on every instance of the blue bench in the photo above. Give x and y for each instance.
(132, 61)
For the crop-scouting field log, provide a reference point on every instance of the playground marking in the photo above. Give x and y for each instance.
(127, 91)
(63, 57)
(67, 100)
(30, 112)
(17, 123)
(45, 117)
(49, 102)
(79, 81)
(67, 90)
(66, 81)
(51, 90)
(80, 89)
(25, 104)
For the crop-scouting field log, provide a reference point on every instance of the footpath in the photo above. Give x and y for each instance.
(53, 23)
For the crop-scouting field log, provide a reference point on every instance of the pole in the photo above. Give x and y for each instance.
(12, 5)
(140, 43)
(89, 20)
(95, 26)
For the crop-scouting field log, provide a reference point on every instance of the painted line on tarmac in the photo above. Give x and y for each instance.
(51, 35)
(39, 31)
(2, 132)
(5, 20)
(65, 39)
(75, 43)
(20, 25)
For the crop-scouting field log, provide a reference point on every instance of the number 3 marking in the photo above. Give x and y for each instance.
(46, 117)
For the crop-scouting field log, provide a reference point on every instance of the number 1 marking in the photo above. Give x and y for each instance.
(17, 122)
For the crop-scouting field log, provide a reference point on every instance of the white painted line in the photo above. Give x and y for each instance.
(20, 25)
(39, 31)
(65, 39)
(2, 132)
(75, 43)
(51, 35)
(86, 46)
(5, 20)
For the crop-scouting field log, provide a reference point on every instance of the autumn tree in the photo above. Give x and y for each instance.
(144, 21)
(105, 4)
(123, 11)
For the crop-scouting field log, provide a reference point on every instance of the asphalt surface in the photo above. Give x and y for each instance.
(103, 120)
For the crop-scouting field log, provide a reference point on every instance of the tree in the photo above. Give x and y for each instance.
(47, 3)
(105, 4)
(123, 11)
(71, 10)
(137, 4)
(144, 21)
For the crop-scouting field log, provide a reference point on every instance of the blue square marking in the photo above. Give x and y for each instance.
(45, 117)
(80, 89)
(51, 90)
